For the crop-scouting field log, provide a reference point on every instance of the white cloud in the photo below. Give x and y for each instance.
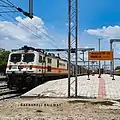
(86, 47)
(106, 32)
(36, 24)
(24, 32)
(20, 33)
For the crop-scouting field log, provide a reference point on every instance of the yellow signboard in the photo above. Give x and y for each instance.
(102, 55)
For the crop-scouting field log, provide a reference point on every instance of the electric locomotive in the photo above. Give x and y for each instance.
(28, 67)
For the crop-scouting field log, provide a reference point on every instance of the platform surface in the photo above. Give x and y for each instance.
(103, 88)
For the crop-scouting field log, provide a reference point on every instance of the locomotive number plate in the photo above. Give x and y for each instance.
(14, 67)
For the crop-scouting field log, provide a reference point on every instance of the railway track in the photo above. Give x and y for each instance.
(6, 93)
(3, 78)
(3, 86)
(9, 94)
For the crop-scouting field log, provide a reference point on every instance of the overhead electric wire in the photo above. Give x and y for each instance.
(12, 7)
(41, 37)
(8, 20)
(4, 6)
(41, 31)
(10, 3)
(7, 11)
(7, 3)
(32, 24)
(12, 23)
(28, 29)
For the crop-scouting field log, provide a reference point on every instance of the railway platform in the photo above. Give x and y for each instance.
(96, 88)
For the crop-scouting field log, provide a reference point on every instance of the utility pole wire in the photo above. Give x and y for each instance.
(36, 28)
(12, 6)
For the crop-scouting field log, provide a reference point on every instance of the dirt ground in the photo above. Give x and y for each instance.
(58, 109)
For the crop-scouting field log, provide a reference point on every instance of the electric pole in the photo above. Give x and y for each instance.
(31, 8)
(72, 41)
(99, 62)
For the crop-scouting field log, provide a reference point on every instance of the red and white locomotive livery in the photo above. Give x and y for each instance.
(28, 66)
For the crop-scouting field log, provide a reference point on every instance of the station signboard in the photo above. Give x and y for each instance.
(102, 55)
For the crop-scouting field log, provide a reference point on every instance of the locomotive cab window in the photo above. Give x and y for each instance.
(49, 60)
(28, 57)
(15, 58)
(40, 59)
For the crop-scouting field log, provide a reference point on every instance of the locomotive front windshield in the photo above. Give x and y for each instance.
(15, 58)
(28, 57)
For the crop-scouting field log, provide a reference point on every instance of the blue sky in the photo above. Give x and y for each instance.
(97, 19)
(92, 13)
(98, 13)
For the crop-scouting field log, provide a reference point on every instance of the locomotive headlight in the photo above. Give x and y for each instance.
(30, 67)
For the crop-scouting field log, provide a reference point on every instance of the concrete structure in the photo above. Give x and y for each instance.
(100, 88)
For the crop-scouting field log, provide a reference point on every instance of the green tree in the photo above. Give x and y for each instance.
(117, 68)
(3, 59)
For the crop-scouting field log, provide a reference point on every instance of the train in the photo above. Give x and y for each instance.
(28, 67)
